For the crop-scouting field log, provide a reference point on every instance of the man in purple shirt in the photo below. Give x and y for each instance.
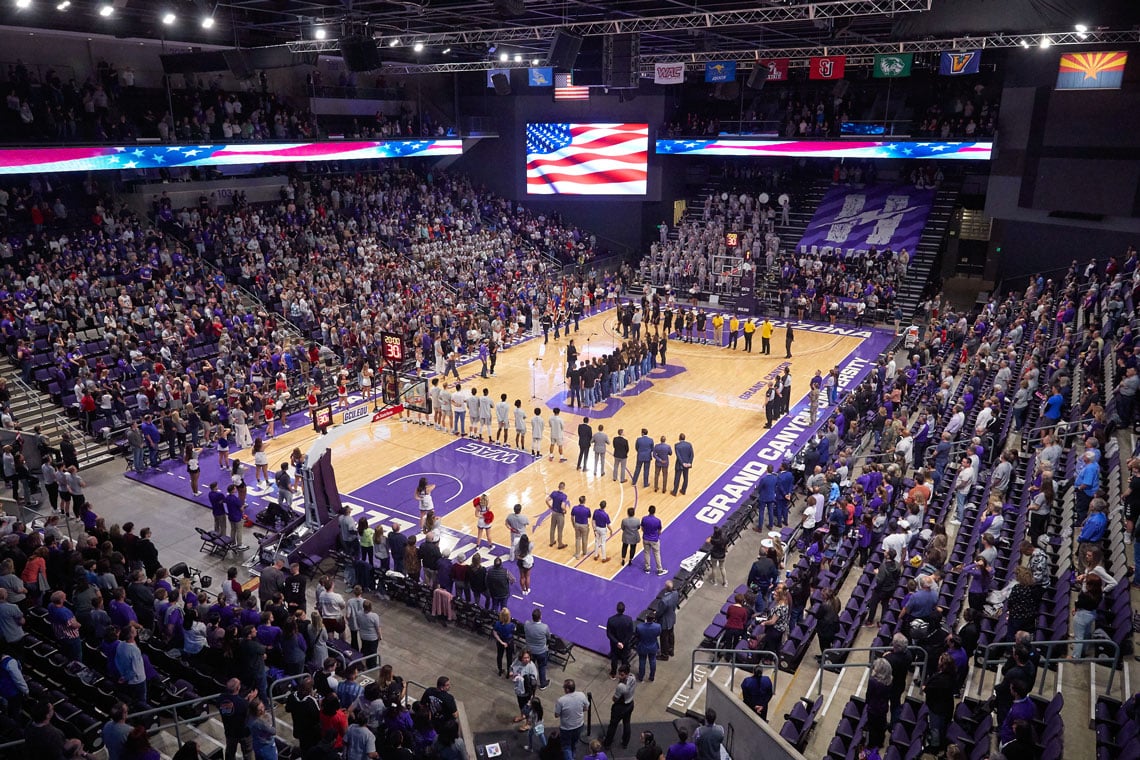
(218, 508)
(234, 513)
(580, 517)
(683, 749)
(651, 537)
(1021, 709)
(557, 501)
(601, 532)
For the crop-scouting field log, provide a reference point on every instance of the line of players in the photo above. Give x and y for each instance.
(691, 326)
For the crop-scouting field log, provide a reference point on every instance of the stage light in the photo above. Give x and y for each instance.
(207, 22)
(23, 4)
(418, 47)
(518, 58)
(394, 42)
(1046, 42)
(63, 6)
(504, 57)
(1025, 43)
(1081, 28)
(169, 18)
(533, 61)
(445, 51)
(106, 9)
(320, 33)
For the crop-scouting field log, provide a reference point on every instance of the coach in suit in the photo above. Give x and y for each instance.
(684, 462)
(619, 630)
(621, 455)
(585, 436)
(644, 448)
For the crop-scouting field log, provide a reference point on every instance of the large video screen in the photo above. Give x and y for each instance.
(586, 159)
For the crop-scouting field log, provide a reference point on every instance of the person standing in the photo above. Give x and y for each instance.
(661, 453)
(537, 636)
(709, 737)
(757, 691)
(503, 631)
(601, 531)
(766, 337)
(621, 455)
(619, 631)
(557, 502)
(643, 447)
(684, 462)
(789, 339)
(570, 709)
(233, 708)
(621, 709)
(580, 519)
(733, 331)
(786, 391)
(651, 536)
(517, 523)
(556, 433)
(524, 674)
(718, 329)
(667, 616)
(630, 535)
(585, 436)
(600, 441)
(648, 645)
(235, 514)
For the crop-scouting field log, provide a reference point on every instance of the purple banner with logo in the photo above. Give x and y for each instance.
(859, 219)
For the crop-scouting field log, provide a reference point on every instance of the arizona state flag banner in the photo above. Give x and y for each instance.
(1091, 71)
(958, 64)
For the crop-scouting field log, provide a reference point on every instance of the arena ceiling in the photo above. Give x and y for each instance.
(468, 29)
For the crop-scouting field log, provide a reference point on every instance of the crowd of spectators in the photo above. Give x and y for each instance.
(108, 106)
(918, 476)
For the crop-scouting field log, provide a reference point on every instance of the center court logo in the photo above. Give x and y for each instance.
(489, 452)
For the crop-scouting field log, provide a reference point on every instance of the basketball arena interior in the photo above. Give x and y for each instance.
(344, 337)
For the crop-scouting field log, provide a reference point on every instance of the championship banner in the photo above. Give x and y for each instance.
(828, 67)
(1091, 71)
(880, 217)
(959, 64)
(720, 71)
(777, 69)
(668, 73)
(893, 65)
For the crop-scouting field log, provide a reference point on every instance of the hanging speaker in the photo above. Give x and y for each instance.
(758, 77)
(238, 63)
(359, 53)
(621, 59)
(502, 84)
(564, 49)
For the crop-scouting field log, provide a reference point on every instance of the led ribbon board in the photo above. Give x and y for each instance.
(108, 157)
(953, 151)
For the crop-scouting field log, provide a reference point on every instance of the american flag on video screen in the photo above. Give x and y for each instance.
(564, 88)
(586, 159)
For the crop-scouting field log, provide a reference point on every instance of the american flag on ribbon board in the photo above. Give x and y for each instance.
(586, 159)
(564, 88)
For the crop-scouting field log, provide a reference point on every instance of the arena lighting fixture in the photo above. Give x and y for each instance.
(63, 6)
(445, 51)
(207, 22)
(106, 10)
(1046, 42)
(394, 42)
(418, 47)
(504, 57)
(22, 4)
(1025, 43)
(1082, 31)
(168, 18)
(518, 58)
(533, 61)
(320, 33)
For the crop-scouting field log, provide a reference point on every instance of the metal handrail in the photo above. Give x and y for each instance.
(825, 665)
(767, 659)
(1043, 648)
